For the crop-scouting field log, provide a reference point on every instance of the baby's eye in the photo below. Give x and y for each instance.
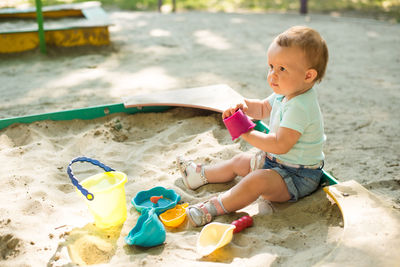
(282, 69)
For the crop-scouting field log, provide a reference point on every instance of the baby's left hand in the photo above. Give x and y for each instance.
(230, 111)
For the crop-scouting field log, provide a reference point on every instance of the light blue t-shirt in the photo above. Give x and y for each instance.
(303, 114)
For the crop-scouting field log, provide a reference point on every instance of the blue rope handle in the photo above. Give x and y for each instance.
(75, 182)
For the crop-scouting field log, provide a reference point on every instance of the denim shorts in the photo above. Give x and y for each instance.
(300, 181)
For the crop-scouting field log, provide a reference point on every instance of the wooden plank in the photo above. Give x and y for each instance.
(96, 14)
(371, 234)
(215, 97)
(92, 29)
(88, 113)
(73, 9)
(24, 41)
(13, 43)
(46, 15)
(95, 36)
(90, 17)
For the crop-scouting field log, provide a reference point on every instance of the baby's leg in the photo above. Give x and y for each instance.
(195, 175)
(227, 170)
(266, 183)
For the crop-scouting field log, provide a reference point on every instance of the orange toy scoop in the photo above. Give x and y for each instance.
(175, 216)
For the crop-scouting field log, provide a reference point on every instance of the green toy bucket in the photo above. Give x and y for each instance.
(104, 194)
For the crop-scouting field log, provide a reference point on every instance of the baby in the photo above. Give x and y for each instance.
(289, 164)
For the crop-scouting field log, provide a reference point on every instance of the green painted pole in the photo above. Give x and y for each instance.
(39, 18)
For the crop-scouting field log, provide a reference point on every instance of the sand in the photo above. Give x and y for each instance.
(43, 221)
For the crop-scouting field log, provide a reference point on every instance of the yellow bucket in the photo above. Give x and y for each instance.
(109, 204)
(104, 194)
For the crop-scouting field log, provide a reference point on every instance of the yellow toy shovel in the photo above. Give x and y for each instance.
(216, 235)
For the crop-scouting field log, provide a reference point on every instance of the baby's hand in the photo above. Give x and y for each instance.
(230, 111)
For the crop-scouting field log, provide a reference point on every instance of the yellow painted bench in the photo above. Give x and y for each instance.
(92, 29)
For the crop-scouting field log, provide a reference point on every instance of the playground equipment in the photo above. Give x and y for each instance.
(91, 29)
(104, 194)
(368, 220)
(149, 231)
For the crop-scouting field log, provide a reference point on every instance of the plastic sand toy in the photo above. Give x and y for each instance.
(104, 194)
(238, 123)
(149, 231)
(143, 199)
(175, 216)
(216, 235)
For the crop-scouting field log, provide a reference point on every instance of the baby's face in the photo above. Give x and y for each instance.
(287, 70)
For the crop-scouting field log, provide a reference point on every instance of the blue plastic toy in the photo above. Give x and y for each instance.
(149, 231)
(143, 199)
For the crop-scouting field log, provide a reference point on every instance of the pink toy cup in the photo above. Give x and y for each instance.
(238, 123)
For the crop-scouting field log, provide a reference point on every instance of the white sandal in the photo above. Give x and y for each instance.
(192, 173)
(198, 215)
(203, 213)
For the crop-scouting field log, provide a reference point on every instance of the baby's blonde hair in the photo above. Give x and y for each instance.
(311, 42)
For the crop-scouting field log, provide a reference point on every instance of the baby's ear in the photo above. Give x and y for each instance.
(311, 75)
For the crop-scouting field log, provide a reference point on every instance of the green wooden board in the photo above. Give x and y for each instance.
(81, 113)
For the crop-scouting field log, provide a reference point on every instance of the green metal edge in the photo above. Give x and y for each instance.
(327, 178)
(81, 113)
